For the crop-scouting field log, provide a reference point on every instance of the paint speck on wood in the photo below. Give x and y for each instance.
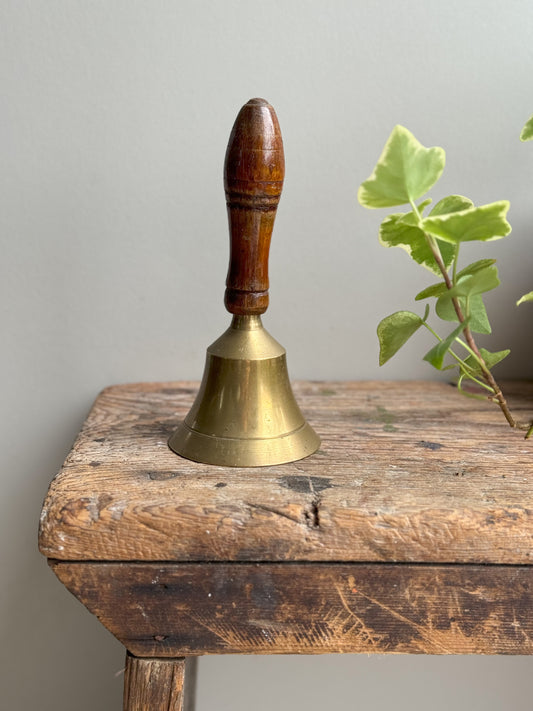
(430, 445)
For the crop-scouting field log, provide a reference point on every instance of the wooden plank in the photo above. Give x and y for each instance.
(159, 684)
(408, 471)
(308, 608)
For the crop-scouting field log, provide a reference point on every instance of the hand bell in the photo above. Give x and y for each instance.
(245, 413)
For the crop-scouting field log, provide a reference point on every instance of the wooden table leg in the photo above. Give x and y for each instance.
(159, 684)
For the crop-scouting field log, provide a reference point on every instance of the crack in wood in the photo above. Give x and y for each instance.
(312, 515)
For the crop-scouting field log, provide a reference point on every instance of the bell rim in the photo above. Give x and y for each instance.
(244, 451)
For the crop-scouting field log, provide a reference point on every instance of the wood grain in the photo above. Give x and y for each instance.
(159, 684)
(308, 608)
(254, 169)
(408, 472)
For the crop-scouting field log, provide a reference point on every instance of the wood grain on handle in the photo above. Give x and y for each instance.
(253, 179)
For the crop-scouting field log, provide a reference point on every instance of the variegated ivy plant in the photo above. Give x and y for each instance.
(404, 173)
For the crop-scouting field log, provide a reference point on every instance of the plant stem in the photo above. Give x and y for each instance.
(455, 262)
(467, 348)
(498, 395)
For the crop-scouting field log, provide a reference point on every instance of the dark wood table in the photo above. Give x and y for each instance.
(411, 530)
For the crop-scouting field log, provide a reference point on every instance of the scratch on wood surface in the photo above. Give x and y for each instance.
(231, 636)
(518, 627)
(368, 633)
(276, 512)
(479, 592)
(117, 509)
(141, 610)
(270, 624)
(228, 639)
(152, 524)
(421, 629)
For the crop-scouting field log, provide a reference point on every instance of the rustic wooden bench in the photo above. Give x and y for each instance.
(411, 530)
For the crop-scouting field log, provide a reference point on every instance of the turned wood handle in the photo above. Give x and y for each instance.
(253, 179)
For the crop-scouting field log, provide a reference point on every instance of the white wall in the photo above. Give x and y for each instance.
(114, 121)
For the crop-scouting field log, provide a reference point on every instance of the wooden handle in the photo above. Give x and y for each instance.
(253, 179)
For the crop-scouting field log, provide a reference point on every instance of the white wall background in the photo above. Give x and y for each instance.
(114, 122)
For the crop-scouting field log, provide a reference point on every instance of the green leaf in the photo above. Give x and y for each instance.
(527, 131)
(475, 267)
(480, 281)
(483, 223)
(394, 331)
(436, 355)
(433, 290)
(404, 172)
(452, 203)
(409, 219)
(476, 279)
(399, 230)
(491, 359)
(472, 281)
(479, 321)
(441, 288)
(422, 206)
(526, 297)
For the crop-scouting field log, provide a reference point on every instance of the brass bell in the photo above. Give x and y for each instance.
(245, 413)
